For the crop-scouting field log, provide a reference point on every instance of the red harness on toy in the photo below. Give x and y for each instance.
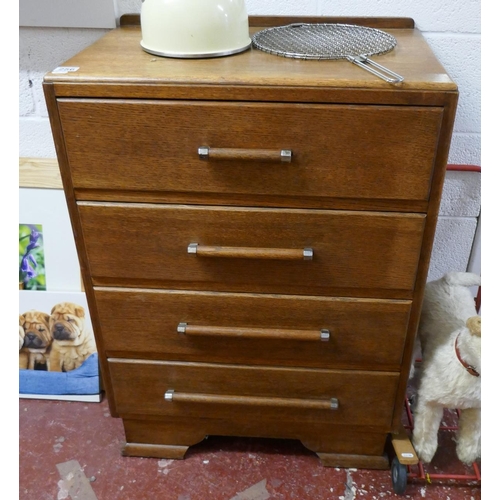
(468, 367)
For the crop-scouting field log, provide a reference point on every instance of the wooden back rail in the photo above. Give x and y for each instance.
(269, 21)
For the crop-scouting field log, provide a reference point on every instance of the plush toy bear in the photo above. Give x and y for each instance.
(450, 375)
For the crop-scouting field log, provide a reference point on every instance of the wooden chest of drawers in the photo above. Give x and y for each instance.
(254, 234)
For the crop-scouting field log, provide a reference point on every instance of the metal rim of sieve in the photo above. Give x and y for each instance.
(328, 41)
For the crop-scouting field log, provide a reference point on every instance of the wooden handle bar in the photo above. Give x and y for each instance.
(253, 333)
(250, 252)
(241, 154)
(317, 404)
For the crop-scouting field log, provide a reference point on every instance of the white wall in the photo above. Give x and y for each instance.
(452, 28)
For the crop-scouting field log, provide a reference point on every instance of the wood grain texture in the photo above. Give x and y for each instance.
(363, 333)
(430, 228)
(57, 134)
(363, 191)
(374, 22)
(140, 387)
(403, 447)
(132, 66)
(222, 252)
(147, 244)
(139, 149)
(39, 173)
(252, 333)
(233, 199)
(368, 444)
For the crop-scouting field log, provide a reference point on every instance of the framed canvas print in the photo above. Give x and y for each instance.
(31, 257)
(57, 351)
(46, 211)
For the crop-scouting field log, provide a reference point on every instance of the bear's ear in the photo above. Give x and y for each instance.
(474, 325)
(21, 320)
(46, 317)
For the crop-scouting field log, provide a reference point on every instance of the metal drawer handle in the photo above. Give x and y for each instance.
(283, 156)
(251, 253)
(310, 404)
(253, 333)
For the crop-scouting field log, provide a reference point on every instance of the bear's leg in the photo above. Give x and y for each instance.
(425, 432)
(469, 435)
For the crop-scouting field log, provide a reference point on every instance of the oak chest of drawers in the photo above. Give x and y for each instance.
(254, 234)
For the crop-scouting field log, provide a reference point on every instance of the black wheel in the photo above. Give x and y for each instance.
(399, 476)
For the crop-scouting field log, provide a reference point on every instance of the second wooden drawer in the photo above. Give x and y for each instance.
(310, 252)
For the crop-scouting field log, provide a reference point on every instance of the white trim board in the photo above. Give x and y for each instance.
(68, 13)
(88, 398)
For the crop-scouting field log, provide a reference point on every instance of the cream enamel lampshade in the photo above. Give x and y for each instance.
(194, 28)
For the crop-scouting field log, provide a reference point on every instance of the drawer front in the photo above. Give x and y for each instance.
(212, 390)
(253, 329)
(350, 152)
(310, 252)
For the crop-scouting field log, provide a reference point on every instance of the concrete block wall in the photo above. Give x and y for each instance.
(452, 28)
(457, 228)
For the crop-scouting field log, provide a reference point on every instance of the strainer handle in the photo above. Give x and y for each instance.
(384, 73)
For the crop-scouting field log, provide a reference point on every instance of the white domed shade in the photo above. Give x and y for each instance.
(194, 28)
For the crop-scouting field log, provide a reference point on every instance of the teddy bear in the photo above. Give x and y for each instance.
(449, 335)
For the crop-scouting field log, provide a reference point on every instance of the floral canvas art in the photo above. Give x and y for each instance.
(31, 258)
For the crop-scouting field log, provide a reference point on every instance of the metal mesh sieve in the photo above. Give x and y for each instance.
(329, 41)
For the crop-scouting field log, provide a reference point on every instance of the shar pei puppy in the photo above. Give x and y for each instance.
(72, 341)
(37, 341)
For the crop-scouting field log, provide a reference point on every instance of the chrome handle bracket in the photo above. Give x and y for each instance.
(203, 152)
(308, 253)
(192, 248)
(169, 395)
(286, 155)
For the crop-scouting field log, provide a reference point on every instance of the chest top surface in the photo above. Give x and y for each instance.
(118, 59)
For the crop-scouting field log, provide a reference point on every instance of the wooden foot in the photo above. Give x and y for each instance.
(336, 446)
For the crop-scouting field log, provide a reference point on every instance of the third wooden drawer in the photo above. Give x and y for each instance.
(253, 328)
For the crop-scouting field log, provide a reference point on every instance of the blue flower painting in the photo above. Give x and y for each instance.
(31, 257)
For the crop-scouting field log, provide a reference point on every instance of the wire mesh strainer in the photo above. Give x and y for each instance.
(330, 41)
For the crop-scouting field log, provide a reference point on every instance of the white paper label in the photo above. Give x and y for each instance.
(65, 69)
(407, 455)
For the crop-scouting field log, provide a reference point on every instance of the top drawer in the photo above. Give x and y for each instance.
(338, 151)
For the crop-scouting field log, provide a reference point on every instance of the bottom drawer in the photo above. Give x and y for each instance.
(245, 392)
